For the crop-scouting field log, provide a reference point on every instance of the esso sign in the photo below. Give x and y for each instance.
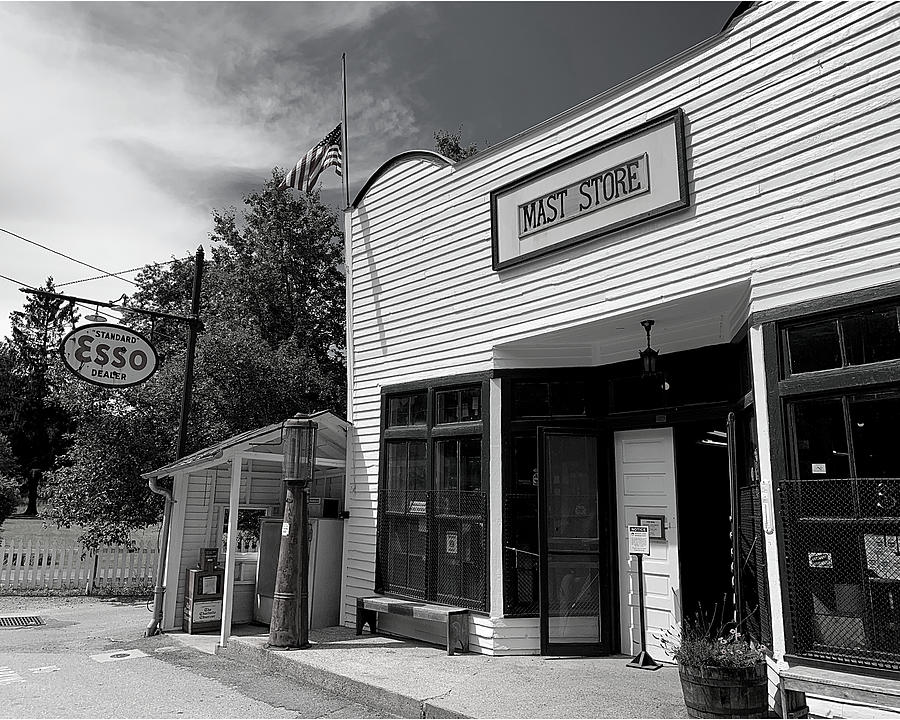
(108, 355)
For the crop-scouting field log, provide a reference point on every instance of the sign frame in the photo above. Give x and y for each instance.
(638, 545)
(675, 116)
(119, 328)
(656, 523)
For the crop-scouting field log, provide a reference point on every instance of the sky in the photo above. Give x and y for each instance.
(124, 125)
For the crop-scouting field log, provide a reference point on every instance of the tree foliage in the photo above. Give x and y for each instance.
(9, 497)
(449, 144)
(9, 466)
(272, 306)
(34, 421)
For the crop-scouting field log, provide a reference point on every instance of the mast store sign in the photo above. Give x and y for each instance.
(108, 355)
(620, 182)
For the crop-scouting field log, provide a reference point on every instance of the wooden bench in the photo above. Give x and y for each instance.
(838, 686)
(455, 618)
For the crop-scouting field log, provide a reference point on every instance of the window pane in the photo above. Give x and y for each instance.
(531, 399)
(406, 410)
(568, 398)
(873, 424)
(416, 465)
(447, 406)
(470, 404)
(524, 460)
(446, 465)
(458, 405)
(470, 464)
(398, 411)
(406, 465)
(821, 440)
(871, 337)
(814, 347)
(572, 493)
(396, 466)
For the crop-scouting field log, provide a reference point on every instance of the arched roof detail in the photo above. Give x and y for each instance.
(427, 155)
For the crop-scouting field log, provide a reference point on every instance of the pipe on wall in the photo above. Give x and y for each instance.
(159, 590)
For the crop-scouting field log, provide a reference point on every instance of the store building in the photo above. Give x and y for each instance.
(504, 432)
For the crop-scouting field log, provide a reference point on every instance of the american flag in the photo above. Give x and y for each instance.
(307, 170)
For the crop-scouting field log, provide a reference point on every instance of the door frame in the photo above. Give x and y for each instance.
(608, 586)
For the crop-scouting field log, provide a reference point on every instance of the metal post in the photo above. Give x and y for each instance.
(290, 603)
(735, 519)
(643, 660)
(641, 593)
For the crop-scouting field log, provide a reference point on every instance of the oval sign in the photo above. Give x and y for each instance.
(108, 355)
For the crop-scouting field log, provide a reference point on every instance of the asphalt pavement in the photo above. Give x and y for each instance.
(89, 659)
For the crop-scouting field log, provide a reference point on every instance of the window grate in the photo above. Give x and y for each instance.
(842, 549)
(433, 546)
(27, 621)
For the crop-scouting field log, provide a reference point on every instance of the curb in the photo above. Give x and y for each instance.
(283, 662)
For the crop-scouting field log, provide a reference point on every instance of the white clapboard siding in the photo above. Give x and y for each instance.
(791, 130)
(200, 492)
(208, 498)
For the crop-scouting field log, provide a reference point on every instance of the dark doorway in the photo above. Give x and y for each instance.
(574, 578)
(704, 515)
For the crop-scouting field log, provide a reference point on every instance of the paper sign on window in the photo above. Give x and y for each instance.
(452, 543)
(883, 555)
(818, 468)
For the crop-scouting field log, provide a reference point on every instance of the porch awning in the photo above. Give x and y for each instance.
(330, 446)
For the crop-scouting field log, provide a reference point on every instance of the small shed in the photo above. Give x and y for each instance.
(244, 472)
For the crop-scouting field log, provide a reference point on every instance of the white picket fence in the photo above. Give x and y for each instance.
(30, 562)
(244, 544)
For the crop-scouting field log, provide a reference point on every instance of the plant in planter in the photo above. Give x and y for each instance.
(723, 673)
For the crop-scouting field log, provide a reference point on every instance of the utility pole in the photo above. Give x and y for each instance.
(290, 604)
(194, 327)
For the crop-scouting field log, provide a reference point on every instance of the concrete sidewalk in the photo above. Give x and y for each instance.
(414, 680)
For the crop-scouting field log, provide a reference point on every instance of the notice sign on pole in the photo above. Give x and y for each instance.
(638, 540)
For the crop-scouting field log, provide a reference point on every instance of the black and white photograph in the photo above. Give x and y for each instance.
(450, 359)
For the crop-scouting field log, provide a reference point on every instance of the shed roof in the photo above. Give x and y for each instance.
(331, 443)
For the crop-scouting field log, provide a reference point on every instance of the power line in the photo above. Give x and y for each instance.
(99, 277)
(120, 308)
(18, 282)
(67, 257)
(120, 272)
(32, 287)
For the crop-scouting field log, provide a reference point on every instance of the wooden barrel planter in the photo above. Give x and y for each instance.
(715, 692)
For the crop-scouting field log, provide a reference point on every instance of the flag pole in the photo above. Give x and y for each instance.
(346, 154)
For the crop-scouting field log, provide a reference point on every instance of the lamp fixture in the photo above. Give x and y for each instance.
(96, 317)
(648, 354)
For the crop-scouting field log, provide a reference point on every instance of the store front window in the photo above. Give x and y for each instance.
(840, 505)
(432, 509)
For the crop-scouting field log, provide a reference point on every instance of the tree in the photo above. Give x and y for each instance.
(9, 497)
(272, 345)
(449, 144)
(9, 487)
(37, 424)
(9, 466)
